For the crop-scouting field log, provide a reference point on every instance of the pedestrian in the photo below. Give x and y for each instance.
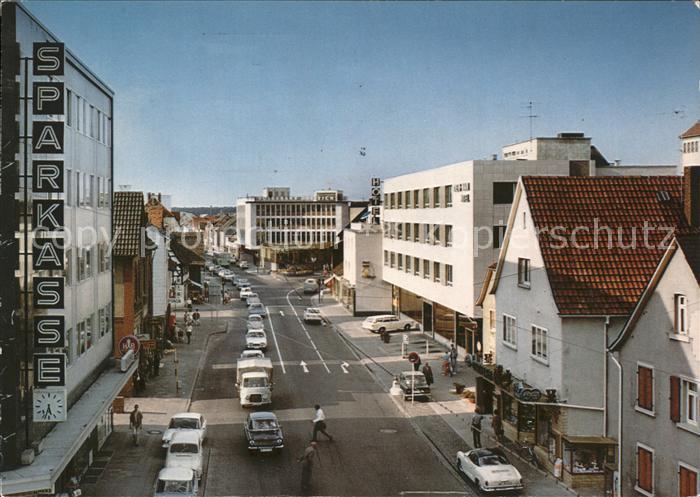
(446, 367)
(135, 422)
(180, 335)
(187, 318)
(476, 427)
(156, 362)
(189, 304)
(428, 373)
(188, 330)
(453, 359)
(307, 463)
(195, 317)
(319, 422)
(497, 425)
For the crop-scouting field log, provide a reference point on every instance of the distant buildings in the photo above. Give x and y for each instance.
(690, 146)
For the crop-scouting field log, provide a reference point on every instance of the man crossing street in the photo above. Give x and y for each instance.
(319, 422)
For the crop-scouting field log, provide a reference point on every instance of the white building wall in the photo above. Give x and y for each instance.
(372, 294)
(161, 285)
(690, 152)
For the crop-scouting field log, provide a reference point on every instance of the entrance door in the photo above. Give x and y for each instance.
(427, 316)
(484, 395)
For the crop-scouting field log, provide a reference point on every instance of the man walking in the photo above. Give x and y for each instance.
(319, 422)
(497, 425)
(476, 427)
(135, 422)
(453, 359)
(195, 317)
(188, 330)
(307, 463)
(428, 373)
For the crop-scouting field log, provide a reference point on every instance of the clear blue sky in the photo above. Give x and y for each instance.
(216, 100)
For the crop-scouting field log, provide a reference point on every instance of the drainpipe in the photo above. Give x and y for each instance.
(606, 325)
(619, 423)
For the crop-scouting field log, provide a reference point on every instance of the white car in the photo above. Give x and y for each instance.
(256, 339)
(257, 310)
(246, 292)
(387, 322)
(311, 285)
(185, 421)
(313, 315)
(185, 451)
(176, 482)
(253, 299)
(241, 282)
(252, 354)
(489, 469)
(255, 322)
(243, 264)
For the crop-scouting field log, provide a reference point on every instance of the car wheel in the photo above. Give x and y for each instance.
(407, 327)
(381, 330)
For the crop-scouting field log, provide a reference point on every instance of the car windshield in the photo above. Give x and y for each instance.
(313, 310)
(264, 424)
(174, 487)
(184, 423)
(255, 382)
(419, 380)
(255, 319)
(256, 334)
(256, 307)
(183, 448)
(492, 460)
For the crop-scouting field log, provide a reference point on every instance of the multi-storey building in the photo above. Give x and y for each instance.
(690, 147)
(40, 443)
(283, 229)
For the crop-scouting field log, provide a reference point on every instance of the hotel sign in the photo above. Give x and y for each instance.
(48, 99)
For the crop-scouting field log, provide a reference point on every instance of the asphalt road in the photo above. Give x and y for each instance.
(376, 450)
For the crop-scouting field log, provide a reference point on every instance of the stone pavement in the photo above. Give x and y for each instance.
(118, 469)
(446, 419)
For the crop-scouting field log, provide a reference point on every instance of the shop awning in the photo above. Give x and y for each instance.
(578, 440)
(63, 442)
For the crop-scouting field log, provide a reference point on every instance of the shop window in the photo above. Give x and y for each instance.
(526, 418)
(645, 388)
(510, 412)
(584, 459)
(645, 470)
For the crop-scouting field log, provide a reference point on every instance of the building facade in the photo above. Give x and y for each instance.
(72, 138)
(690, 147)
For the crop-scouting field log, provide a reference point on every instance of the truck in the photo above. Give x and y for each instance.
(254, 381)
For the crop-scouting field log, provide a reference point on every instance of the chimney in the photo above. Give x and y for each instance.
(494, 156)
(691, 195)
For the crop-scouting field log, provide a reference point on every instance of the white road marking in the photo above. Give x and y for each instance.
(344, 366)
(274, 337)
(281, 313)
(303, 366)
(223, 366)
(301, 323)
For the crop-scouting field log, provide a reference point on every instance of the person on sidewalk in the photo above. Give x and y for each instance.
(319, 422)
(476, 427)
(428, 373)
(307, 463)
(135, 423)
(497, 425)
(446, 367)
(195, 317)
(453, 359)
(189, 333)
(187, 318)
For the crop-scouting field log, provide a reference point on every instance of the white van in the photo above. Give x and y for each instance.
(185, 451)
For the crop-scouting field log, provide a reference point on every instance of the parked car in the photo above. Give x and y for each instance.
(310, 285)
(176, 482)
(253, 298)
(313, 315)
(414, 380)
(257, 310)
(185, 451)
(241, 282)
(185, 421)
(246, 291)
(255, 322)
(263, 432)
(256, 339)
(252, 354)
(243, 264)
(387, 322)
(489, 469)
(221, 272)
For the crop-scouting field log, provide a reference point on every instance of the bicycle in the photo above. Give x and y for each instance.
(527, 452)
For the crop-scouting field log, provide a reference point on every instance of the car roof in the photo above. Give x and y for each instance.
(176, 474)
(191, 415)
(379, 316)
(313, 309)
(263, 415)
(412, 373)
(483, 452)
(185, 437)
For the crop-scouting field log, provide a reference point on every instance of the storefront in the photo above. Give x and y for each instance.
(587, 461)
(409, 304)
(444, 322)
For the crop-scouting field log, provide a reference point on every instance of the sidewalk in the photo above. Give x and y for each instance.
(120, 468)
(446, 419)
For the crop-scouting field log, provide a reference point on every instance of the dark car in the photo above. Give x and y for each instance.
(263, 432)
(414, 380)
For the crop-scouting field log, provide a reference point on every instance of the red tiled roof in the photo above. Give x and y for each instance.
(589, 278)
(693, 131)
(129, 219)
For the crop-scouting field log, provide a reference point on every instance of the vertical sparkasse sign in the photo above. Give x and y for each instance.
(48, 99)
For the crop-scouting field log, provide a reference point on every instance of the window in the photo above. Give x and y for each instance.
(690, 400)
(416, 266)
(79, 189)
(68, 267)
(687, 480)
(79, 113)
(399, 201)
(392, 259)
(539, 343)
(408, 263)
(492, 320)
(407, 199)
(416, 194)
(99, 126)
(68, 349)
(645, 470)
(386, 257)
(386, 201)
(426, 233)
(426, 269)
(448, 274)
(85, 117)
(680, 324)
(503, 192)
(392, 200)
(103, 257)
(448, 235)
(509, 330)
(69, 108)
(426, 198)
(89, 330)
(448, 196)
(436, 234)
(436, 196)
(499, 231)
(400, 262)
(399, 231)
(69, 186)
(81, 338)
(416, 232)
(102, 319)
(524, 272)
(408, 232)
(645, 388)
(436, 272)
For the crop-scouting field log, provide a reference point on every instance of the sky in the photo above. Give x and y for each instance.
(216, 100)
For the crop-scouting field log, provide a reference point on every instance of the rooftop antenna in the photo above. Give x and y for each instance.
(530, 109)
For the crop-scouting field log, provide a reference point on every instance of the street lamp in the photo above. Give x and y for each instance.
(313, 263)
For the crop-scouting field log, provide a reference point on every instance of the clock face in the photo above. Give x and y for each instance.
(49, 405)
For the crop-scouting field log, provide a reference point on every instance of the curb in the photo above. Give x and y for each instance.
(200, 365)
